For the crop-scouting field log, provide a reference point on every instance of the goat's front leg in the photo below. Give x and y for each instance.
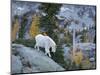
(47, 52)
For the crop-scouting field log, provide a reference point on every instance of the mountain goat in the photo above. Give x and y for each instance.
(45, 42)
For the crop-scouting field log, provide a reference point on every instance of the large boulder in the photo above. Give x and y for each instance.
(34, 61)
(16, 64)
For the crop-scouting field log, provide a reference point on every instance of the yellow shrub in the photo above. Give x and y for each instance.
(86, 64)
(14, 31)
(77, 57)
(34, 29)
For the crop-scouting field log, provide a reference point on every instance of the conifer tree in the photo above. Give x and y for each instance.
(22, 26)
(48, 22)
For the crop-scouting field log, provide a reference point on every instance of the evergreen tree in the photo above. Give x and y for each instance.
(22, 27)
(48, 22)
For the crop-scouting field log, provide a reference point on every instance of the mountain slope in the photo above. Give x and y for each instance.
(30, 60)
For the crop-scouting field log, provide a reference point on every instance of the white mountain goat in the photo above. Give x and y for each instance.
(45, 42)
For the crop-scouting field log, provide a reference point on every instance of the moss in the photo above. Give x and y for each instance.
(28, 43)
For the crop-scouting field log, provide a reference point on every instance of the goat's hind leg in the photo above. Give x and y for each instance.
(36, 47)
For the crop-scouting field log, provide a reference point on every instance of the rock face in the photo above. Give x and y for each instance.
(16, 64)
(27, 60)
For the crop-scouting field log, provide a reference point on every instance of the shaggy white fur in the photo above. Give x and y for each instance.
(45, 42)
